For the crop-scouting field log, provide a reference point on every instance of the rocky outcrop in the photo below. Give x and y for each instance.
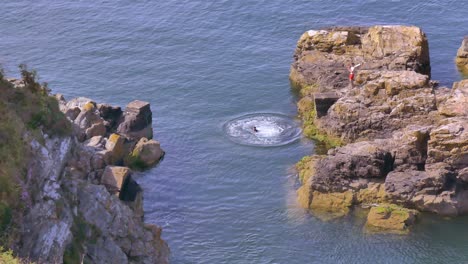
(405, 139)
(462, 56)
(80, 204)
(321, 56)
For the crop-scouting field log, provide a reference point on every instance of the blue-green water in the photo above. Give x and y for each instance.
(200, 64)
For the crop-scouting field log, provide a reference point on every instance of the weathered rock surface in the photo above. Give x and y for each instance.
(321, 56)
(80, 206)
(407, 139)
(462, 56)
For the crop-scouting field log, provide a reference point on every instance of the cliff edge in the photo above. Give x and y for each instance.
(67, 191)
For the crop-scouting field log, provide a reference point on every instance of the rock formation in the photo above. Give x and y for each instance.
(80, 203)
(405, 140)
(462, 56)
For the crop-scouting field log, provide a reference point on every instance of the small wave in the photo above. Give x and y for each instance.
(271, 130)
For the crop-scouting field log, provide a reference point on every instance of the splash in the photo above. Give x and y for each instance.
(271, 130)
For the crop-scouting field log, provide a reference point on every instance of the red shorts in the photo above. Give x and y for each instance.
(351, 76)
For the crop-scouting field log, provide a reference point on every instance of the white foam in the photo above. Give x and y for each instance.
(272, 130)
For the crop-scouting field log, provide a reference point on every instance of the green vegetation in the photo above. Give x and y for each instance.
(6, 257)
(325, 141)
(302, 167)
(26, 112)
(82, 231)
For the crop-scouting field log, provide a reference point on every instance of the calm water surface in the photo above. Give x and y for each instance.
(201, 63)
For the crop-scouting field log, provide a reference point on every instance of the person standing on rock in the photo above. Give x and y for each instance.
(352, 70)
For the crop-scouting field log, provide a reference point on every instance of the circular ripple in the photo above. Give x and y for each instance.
(273, 130)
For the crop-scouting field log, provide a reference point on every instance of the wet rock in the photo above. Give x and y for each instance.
(331, 204)
(137, 120)
(390, 218)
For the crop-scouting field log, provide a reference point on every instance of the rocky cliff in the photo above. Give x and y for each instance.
(398, 138)
(77, 201)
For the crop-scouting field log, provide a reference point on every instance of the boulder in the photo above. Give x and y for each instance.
(462, 56)
(146, 153)
(390, 218)
(136, 121)
(115, 145)
(114, 178)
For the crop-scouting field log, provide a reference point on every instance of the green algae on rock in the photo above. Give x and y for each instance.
(390, 218)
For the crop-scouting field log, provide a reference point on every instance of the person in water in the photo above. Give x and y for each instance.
(255, 129)
(352, 71)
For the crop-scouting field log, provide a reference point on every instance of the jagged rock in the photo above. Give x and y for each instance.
(45, 235)
(462, 56)
(390, 218)
(141, 244)
(145, 154)
(137, 120)
(114, 178)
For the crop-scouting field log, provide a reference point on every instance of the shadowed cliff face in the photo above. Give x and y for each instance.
(407, 139)
(63, 182)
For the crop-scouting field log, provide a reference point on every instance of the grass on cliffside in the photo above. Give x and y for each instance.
(26, 112)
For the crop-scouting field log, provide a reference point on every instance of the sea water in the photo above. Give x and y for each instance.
(201, 64)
